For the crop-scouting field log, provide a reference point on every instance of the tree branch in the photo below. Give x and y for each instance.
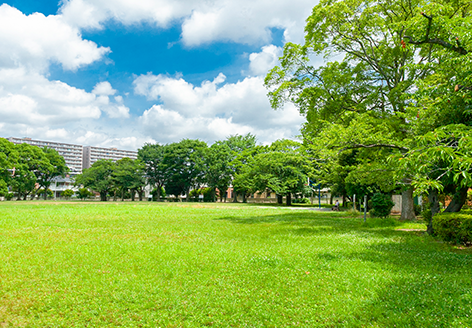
(356, 146)
(427, 40)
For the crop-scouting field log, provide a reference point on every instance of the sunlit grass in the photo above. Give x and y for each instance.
(192, 265)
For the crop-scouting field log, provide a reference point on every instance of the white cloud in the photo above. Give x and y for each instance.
(243, 21)
(262, 62)
(103, 89)
(35, 41)
(212, 112)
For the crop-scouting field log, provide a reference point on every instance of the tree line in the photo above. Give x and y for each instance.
(191, 168)
(27, 170)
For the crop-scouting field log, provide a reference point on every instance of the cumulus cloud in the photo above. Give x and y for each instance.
(35, 41)
(212, 112)
(243, 21)
(262, 62)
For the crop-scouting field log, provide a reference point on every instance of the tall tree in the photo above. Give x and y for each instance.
(55, 167)
(128, 174)
(184, 162)
(218, 170)
(98, 177)
(373, 82)
(152, 155)
(8, 162)
(31, 161)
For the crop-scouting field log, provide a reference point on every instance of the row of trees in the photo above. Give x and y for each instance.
(393, 112)
(28, 170)
(189, 165)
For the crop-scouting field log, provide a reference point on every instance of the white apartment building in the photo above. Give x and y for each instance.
(72, 153)
(93, 154)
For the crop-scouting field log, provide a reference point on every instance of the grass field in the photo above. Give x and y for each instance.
(196, 265)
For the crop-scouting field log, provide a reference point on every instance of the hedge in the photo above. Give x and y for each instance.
(454, 227)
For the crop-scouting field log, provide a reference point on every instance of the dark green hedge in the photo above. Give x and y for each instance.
(454, 227)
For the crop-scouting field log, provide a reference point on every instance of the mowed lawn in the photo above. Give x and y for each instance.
(196, 265)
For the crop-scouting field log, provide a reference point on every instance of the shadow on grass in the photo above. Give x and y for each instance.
(428, 285)
(310, 222)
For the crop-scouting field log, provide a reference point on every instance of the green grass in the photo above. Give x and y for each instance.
(196, 265)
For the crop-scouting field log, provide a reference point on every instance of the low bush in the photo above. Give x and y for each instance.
(454, 227)
(382, 205)
(301, 201)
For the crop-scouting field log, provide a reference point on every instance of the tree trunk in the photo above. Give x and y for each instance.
(122, 195)
(244, 197)
(280, 199)
(344, 200)
(114, 196)
(140, 195)
(158, 191)
(458, 200)
(133, 195)
(103, 196)
(45, 197)
(434, 206)
(408, 205)
(331, 197)
(288, 199)
(235, 196)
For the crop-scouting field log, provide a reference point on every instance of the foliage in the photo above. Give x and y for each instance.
(156, 193)
(98, 177)
(282, 168)
(31, 162)
(128, 175)
(152, 155)
(68, 193)
(3, 188)
(55, 166)
(184, 162)
(454, 227)
(301, 201)
(83, 193)
(382, 205)
(218, 169)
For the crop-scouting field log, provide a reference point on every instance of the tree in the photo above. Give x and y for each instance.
(98, 178)
(83, 193)
(282, 168)
(8, 161)
(129, 175)
(239, 144)
(54, 167)
(152, 155)
(368, 89)
(31, 161)
(218, 170)
(184, 162)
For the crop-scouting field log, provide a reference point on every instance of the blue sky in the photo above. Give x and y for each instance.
(119, 73)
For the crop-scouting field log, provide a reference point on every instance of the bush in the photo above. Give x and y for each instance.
(381, 205)
(9, 196)
(426, 214)
(83, 193)
(417, 209)
(301, 201)
(454, 227)
(68, 193)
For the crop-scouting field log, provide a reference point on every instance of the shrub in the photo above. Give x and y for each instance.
(417, 209)
(9, 196)
(301, 201)
(83, 193)
(426, 214)
(454, 227)
(68, 193)
(381, 205)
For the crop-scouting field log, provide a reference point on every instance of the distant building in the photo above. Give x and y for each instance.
(93, 154)
(72, 153)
